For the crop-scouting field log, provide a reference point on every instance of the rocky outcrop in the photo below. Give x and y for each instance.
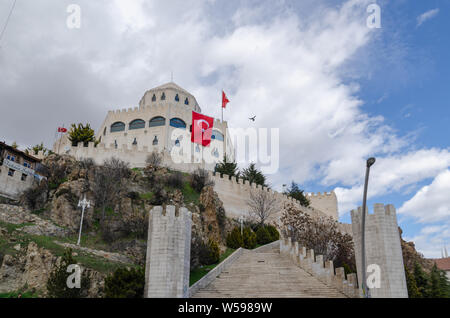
(411, 256)
(31, 268)
(34, 225)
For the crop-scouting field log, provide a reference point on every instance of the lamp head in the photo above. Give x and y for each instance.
(370, 162)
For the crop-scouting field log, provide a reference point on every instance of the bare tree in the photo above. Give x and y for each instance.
(109, 181)
(262, 205)
(154, 159)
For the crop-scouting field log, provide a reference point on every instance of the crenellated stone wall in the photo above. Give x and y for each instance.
(324, 271)
(383, 248)
(168, 253)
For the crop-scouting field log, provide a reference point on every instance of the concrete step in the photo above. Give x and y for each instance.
(266, 275)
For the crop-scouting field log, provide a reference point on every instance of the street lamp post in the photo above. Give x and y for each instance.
(370, 162)
(241, 220)
(83, 204)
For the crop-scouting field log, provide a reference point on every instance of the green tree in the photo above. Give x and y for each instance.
(81, 133)
(422, 280)
(249, 238)
(263, 236)
(125, 283)
(294, 192)
(234, 239)
(227, 167)
(253, 175)
(39, 147)
(57, 282)
(413, 291)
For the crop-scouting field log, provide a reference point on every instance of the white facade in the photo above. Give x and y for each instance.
(132, 134)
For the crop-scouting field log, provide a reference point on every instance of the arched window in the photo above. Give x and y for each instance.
(157, 121)
(154, 98)
(163, 96)
(217, 135)
(177, 98)
(118, 126)
(137, 124)
(177, 123)
(186, 102)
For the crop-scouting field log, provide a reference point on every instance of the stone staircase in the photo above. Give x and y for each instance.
(266, 275)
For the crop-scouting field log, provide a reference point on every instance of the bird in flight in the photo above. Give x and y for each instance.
(253, 118)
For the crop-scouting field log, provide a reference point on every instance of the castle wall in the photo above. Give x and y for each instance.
(235, 194)
(168, 253)
(326, 202)
(383, 248)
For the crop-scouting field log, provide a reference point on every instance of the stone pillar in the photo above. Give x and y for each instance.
(168, 253)
(383, 248)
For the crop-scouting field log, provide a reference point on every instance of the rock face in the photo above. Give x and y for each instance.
(213, 214)
(411, 256)
(32, 268)
(37, 226)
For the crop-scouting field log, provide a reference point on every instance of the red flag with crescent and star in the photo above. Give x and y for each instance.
(202, 127)
(225, 100)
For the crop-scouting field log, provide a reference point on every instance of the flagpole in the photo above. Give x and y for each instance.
(222, 104)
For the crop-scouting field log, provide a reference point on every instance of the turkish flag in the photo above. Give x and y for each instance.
(225, 100)
(62, 130)
(201, 129)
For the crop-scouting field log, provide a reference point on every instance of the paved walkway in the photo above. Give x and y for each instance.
(266, 275)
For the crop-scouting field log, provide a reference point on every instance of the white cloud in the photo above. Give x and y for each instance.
(390, 174)
(287, 67)
(432, 202)
(427, 16)
(431, 239)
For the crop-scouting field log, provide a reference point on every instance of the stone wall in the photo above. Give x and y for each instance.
(324, 271)
(326, 202)
(382, 241)
(235, 193)
(168, 253)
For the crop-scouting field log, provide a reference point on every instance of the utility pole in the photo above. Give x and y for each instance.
(370, 162)
(83, 204)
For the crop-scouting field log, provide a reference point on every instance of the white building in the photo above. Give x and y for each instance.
(163, 112)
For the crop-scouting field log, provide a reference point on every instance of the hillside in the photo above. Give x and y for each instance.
(36, 231)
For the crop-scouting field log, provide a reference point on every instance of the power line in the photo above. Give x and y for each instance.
(7, 20)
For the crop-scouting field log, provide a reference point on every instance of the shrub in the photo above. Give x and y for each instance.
(175, 180)
(234, 239)
(125, 283)
(249, 238)
(57, 282)
(200, 179)
(274, 234)
(209, 253)
(263, 236)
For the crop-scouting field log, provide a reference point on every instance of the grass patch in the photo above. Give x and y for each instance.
(27, 294)
(146, 196)
(12, 227)
(189, 194)
(198, 273)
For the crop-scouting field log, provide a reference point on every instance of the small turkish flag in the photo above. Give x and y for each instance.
(62, 130)
(201, 129)
(225, 100)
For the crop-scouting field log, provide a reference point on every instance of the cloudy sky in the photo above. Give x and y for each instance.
(339, 91)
